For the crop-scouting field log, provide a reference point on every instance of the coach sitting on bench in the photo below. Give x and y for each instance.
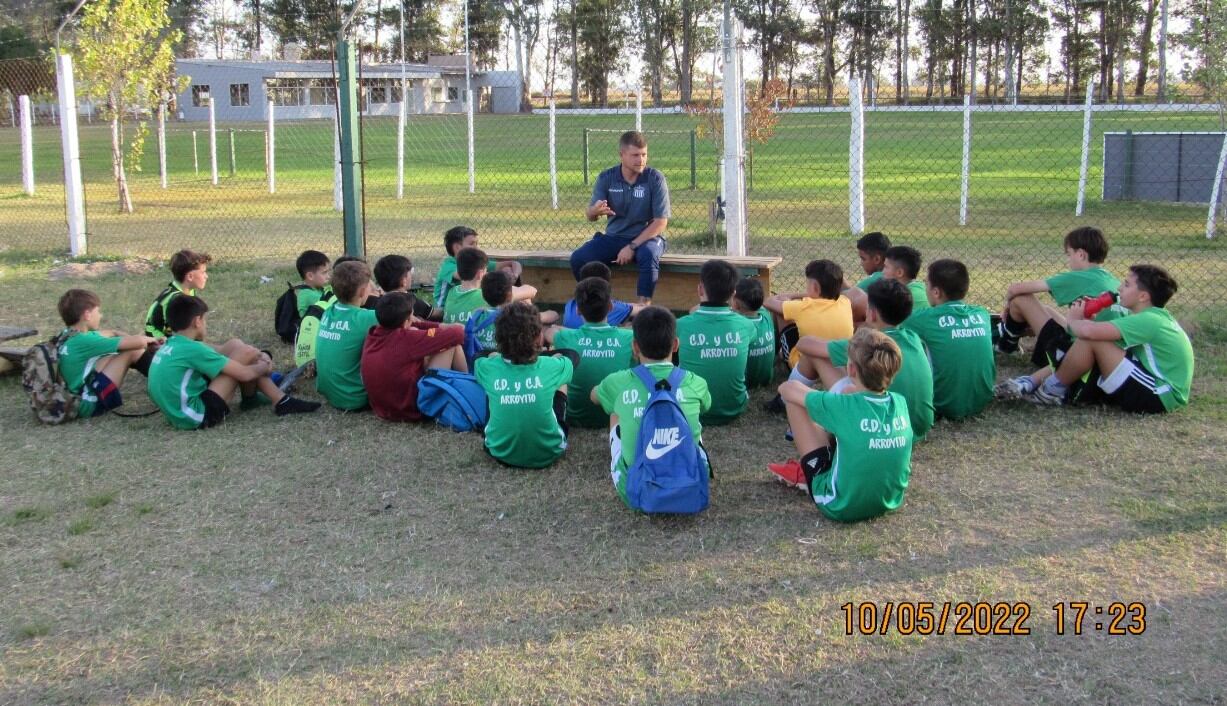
(635, 197)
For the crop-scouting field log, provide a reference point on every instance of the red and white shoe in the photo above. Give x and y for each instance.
(789, 473)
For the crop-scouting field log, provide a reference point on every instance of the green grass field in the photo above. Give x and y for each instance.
(336, 558)
(1023, 192)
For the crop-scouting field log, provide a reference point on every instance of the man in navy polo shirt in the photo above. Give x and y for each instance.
(635, 197)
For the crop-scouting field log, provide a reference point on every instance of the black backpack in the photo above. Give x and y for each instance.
(285, 316)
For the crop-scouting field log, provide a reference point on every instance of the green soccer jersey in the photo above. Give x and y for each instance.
(622, 394)
(760, 367)
(914, 380)
(338, 355)
(461, 303)
(523, 430)
(873, 453)
(78, 357)
(920, 298)
(961, 355)
(445, 278)
(180, 372)
(863, 284)
(603, 350)
(715, 345)
(1162, 348)
(1091, 282)
(305, 297)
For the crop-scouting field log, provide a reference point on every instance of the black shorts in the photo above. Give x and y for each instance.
(216, 409)
(1051, 344)
(788, 337)
(1132, 389)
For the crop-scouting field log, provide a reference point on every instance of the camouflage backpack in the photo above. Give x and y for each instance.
(40, 376)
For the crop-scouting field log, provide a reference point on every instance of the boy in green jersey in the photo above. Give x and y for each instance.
(192, 383)
(314, 268)
(603, 349)
(890, 304)
(871, 251)
(93, 362)
(190, 271)
(1086, 249)
(454, 240)
(903, 265)
(748, 301)
(527, 392)
(715, 343)
(960, 346)
(624, 398)
(466, 297)
(855, 446)
(342, 331)
(1144, 358)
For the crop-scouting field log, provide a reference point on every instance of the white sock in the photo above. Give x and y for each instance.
(796, 375)
(1053, 385)
(1027, 383)
(843, 384)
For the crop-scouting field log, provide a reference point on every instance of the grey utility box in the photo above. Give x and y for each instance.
(1177, 167)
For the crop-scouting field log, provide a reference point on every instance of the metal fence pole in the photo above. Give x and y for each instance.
(27, 146)
(212, 143)
(468, 97)
(232, 161)
(400, 142)
(1216, 190)
(585, 155)
(734, 151)
(162, 143)
(195, 154)
(553, 157)
(856, 160)
(271, 139)
(1086, 144)
(639, 109)
(965, 180)
(336, 166)
(694, 172)
(74, 192)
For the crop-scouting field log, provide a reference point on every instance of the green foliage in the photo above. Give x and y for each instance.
(1206, 39)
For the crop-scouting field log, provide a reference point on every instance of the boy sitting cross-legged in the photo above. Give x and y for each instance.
(192, 383)
(871, 250)
(748, 301)
(855, 445)
(1144, 358)
(889, 305)
(466, 297)
(527, 391)
(397, 353)
(454, 240)
(623, 396)
(497, 291)
(342, 332)
(603, 349)
(620, 313)
(715, 343)
(94, 362)
(960, 345)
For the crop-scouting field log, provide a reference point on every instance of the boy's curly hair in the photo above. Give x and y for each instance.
(517, 332)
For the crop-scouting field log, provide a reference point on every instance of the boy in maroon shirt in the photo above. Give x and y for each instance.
(399, 350)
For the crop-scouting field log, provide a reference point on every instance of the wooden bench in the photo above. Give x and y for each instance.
(550, 272)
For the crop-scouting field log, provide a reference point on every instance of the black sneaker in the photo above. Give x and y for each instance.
(293, 405)
(775, 406)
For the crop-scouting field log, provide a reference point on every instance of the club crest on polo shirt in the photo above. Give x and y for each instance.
(638, 192)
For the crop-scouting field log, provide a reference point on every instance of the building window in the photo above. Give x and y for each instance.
(377, 94)
(436, 93)
(200, 95)
(240, 95)
(453, 93)
(394, 94)
(286, 92)
(322, 92)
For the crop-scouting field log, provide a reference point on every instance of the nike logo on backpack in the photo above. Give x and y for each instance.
(664, 441)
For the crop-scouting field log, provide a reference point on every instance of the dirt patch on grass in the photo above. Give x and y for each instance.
(93, 270)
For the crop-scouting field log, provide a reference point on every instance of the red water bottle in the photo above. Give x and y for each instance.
(1097, 304)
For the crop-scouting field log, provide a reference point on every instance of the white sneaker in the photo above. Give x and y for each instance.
(1043, 397)
(1014, 388)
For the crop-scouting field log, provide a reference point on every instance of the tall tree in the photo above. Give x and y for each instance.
(657, 24)
(602, 40)
(830, 22)
(1144, 46)
(771, 22)
(486, 19)
(524, 17)
(903, 12)
(126, 56)
(1206, 40)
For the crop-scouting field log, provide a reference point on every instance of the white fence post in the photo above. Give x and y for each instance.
(1216, 190)
(27, 145)
(271, 140)
(856, 160)
(1086, 144)
(212, 142)
(400, 145)
(965, 181)
(195, 154)
(734, 153)
(472, 166)
(74, 193)
(553, 157)
(639, 109)
(162, 143)
(336, 166)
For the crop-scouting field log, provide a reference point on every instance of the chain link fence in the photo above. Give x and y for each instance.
(1022, 183)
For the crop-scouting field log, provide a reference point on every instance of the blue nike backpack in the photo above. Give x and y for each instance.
(670, 473)
(478, 322)
(454, 400)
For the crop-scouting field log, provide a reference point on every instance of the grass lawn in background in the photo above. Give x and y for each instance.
(336, 558)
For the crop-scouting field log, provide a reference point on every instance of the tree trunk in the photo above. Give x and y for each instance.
(685, 72)
(117, 164)
(1144, 46)
(574, 57)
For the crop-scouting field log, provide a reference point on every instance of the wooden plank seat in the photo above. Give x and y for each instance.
(677, 288)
